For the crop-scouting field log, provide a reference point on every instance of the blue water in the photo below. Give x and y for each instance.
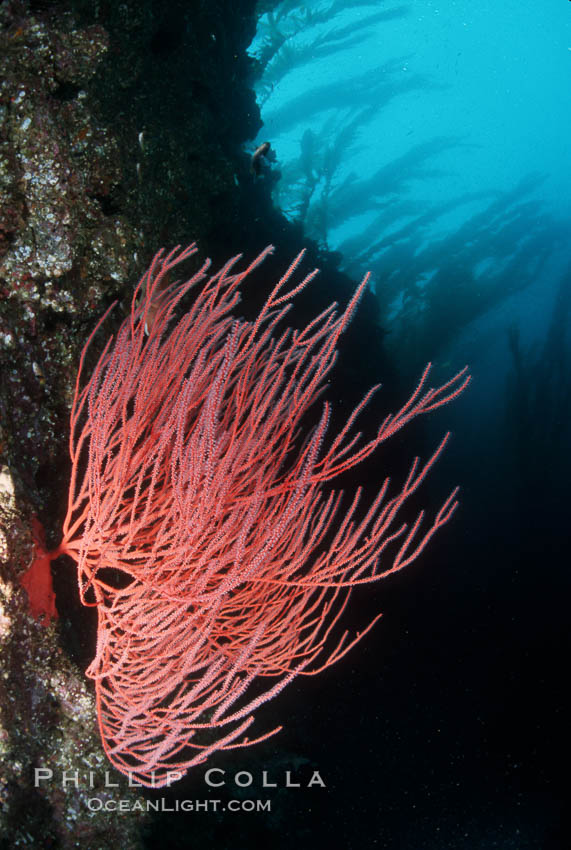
(495, 76)
(421, 116)
(405, 124)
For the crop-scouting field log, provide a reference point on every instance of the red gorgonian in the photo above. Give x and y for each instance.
(204, 526)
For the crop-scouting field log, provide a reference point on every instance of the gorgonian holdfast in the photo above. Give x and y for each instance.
(190, 479)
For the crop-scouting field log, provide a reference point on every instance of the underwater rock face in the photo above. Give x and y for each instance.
(47, 720)
(48, 128)
(113, 135)
(61, 251)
